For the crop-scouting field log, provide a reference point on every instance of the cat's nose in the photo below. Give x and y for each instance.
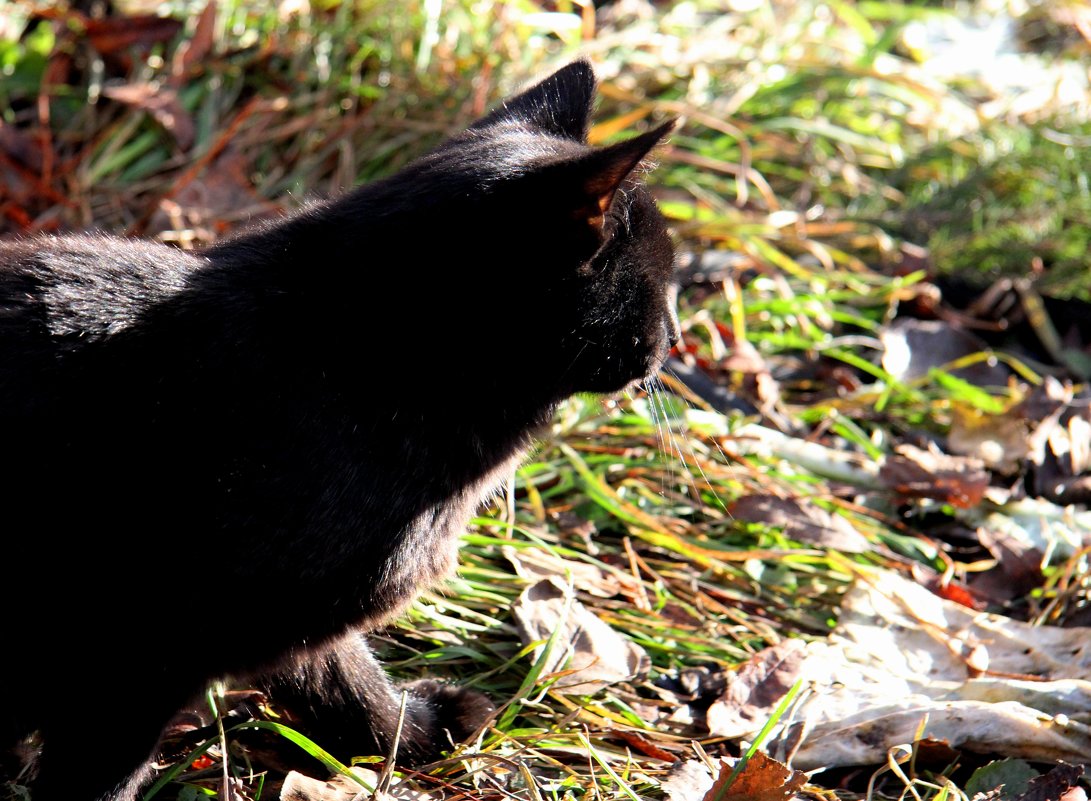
(671, 326)
(673, 332)
(673, 329)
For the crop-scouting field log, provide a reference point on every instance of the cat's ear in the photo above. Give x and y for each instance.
(560, 105)
(600, 173)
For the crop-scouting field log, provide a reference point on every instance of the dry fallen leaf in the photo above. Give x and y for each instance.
(998, 440)
(761, 779)
(755, 689)
(1060, 784)
(803, 522)
(918, 473)
(1020, 566)
(912, 348)
(111, 35)
(298, 787)
(901, 655)
(538, 563)
(199, 45)
(587, 652)
(1032, 523)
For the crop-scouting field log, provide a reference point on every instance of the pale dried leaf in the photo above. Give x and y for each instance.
(298, 787)
(998, 440)
(1055, 531)
(535, 564)
(901, 655)
(912, 348)
(589, 653)
(687, 781)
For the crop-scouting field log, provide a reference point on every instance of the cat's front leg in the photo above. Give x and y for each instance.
(342, 699)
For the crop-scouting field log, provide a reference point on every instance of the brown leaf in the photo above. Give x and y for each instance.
(114, 34)
(162, 103)
(753, 692)
(998, 440)
(762, 779)
(203, 204)
(919, 473)
(807, 523)
(1019, 561)
(197, 46)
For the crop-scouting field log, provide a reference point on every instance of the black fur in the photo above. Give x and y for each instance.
(240, 461)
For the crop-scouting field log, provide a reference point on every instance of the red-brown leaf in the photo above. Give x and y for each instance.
(114, 34)
(198, 46)
(763, 779)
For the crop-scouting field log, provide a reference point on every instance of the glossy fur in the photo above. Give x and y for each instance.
(239, 461)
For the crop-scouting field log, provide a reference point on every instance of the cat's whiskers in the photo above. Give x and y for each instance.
(658, 410)
(648, 385)
(693, 454)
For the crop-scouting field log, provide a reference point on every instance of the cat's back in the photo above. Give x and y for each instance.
(82, 288)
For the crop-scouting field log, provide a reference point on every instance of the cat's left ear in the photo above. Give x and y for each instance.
(560, 105)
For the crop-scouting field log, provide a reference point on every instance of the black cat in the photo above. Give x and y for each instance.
(239, 461)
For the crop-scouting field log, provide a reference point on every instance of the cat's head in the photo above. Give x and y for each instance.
(593, 247)
(533, 249)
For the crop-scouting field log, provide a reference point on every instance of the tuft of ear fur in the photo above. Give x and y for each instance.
(560, 105)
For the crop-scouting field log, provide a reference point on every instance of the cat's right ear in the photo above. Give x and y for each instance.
(592, 180)
(560, 105)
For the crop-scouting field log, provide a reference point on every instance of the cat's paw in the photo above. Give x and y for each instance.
(444, 715)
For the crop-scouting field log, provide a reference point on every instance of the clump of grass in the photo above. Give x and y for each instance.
(1016, 205)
